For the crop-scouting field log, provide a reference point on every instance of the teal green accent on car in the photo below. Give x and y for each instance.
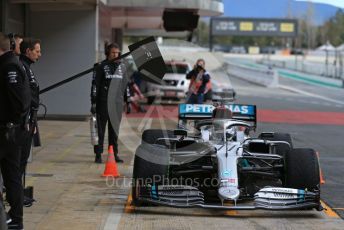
(154, 192)
(301, 195)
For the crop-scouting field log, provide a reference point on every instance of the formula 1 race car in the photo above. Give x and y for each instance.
(214, 163)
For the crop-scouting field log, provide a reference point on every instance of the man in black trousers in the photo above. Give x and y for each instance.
(30, 52)
(15, 98)
(107, 71)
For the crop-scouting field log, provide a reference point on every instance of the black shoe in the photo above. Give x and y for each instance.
(8, 218)
(98, 158)
(118, 160)
(15, 226)
(28, 202)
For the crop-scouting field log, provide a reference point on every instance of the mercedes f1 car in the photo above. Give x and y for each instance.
(214, 163)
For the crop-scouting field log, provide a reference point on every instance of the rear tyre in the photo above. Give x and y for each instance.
(302, 169)
(151, 166)
(281, 149)
(150, 136)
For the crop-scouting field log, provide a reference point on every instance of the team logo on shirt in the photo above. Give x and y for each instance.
(12, 75)
(109, 75)
(113, 76)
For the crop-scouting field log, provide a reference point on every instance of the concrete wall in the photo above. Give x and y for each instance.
(104, 29)
(68, 47)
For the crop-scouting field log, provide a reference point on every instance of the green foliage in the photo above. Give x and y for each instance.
(334, 29)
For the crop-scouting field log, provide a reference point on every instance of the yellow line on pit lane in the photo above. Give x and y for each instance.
(231, 213)
(128, 207)
(329, 211)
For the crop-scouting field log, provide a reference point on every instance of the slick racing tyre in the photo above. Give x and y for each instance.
(281, 149)
(151, 166)
(302, 169)
(150, 136)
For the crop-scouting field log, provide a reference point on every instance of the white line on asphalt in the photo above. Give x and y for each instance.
(310, 94)
(114, 217)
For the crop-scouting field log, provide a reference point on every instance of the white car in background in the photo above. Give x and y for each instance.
(174, 84)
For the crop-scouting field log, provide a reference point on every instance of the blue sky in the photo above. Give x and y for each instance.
(279, 9)
(337, 3)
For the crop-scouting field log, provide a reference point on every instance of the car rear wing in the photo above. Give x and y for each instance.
(204, 111)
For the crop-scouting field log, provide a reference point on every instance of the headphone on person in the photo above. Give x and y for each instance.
(110, 46)
(12, 41)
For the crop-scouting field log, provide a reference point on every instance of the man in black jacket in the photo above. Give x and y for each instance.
(103, 74)
(15, 100)
(30, 50)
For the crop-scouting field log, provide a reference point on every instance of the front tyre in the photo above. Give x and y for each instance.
(302, 169)
(151, 166)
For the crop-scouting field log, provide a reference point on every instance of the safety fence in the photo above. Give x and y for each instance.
(266, 77)
(320, 69)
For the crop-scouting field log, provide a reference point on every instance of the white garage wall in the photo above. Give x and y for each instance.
(68, 47)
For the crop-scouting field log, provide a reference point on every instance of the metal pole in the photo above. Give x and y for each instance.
(326, 63)
(340, 64)
(335, 64)
(211, 35)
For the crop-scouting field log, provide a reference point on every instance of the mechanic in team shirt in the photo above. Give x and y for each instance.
(199, 83)
(103, 75)
(15, 98)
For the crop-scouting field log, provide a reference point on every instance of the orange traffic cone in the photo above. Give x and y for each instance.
(111, 166)
(322, 180)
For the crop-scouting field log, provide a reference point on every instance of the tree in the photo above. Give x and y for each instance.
(310, 28)
(332, 30)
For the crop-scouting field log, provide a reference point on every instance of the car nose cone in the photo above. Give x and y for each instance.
(229, 193)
